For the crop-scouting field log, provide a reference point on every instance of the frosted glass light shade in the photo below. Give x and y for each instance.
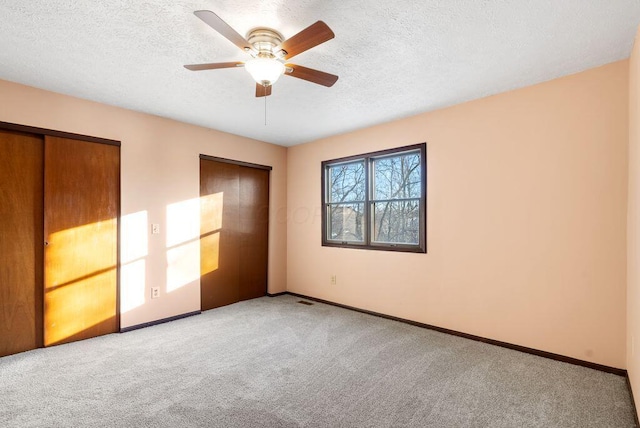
(265, 71)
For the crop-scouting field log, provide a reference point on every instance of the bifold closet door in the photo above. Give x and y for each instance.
(21, 240)
(81, 188)
(234, 203)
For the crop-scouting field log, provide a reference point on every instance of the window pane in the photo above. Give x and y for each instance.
(345, 222)
(376, 200)
(397, 177)
(397, 222)
(346, 182)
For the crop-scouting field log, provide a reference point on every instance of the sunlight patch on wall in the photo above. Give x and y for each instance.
(134, 250)
(132, 278)
(135, 236)
(183, 249)
(183, 265)
(183, 222)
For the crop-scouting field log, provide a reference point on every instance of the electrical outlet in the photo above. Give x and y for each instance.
(155, 292)
(333, 280)
(155, 229)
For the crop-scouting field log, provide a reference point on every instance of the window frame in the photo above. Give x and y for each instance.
(367, 223)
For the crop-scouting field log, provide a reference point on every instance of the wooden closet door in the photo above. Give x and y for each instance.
(82, 190)
(219, 245)
(234, 203)
(21, 242)
(254, 232)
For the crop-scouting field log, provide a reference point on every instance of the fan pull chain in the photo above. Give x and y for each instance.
(265, 106)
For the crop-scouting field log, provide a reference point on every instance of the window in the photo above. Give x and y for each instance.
(376, 200)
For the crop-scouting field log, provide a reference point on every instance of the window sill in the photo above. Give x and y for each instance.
(378, 247)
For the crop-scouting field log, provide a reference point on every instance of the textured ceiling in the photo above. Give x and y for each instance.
(394, 58)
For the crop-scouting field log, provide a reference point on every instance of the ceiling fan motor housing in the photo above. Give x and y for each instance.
(264, 41)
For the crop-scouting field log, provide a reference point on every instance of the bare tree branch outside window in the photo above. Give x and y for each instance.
(396, 202)
(347, 199)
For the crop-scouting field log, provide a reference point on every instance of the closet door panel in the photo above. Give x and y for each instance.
(254, 231)
(219, 246)
(21, 242)
(82, 188)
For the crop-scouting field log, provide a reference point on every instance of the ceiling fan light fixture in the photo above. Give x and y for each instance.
(265, 71)
(270, 51)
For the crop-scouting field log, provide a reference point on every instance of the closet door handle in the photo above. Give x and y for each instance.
(46, 243)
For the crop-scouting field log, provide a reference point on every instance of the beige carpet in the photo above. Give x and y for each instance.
(272, 362)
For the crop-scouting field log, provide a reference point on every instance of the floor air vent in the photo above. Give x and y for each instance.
(305, 303)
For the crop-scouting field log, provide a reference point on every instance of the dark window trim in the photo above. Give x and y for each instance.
(236, 162)
(367, 244)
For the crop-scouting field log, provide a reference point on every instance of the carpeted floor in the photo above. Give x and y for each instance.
(272, 362)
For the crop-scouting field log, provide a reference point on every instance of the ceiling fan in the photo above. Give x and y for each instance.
(269, 52)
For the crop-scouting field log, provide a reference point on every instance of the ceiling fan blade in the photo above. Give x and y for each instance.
(262, 91)
(213, 65)
(311, 75)
(215, 22)
(311, 36)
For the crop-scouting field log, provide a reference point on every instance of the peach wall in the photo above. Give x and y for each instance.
(160, 184)
(633, 223)
(526, 219)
